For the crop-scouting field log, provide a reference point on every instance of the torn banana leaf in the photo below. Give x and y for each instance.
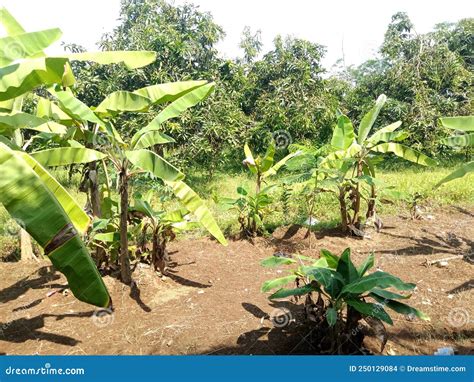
(28, 200)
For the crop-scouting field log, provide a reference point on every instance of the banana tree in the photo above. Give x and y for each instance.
(28, 191)
(361, 151)
(251, 206)
(464, 126)
(134, 157)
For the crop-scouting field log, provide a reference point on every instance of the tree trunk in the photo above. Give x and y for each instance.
(371, 204)
(124, 258)
(343, 209)
(357, 219)
(94, 189)
(26, 248)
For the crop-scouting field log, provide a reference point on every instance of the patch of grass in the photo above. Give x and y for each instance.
(407, 180)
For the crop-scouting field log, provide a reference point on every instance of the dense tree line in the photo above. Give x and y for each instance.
(287, 89)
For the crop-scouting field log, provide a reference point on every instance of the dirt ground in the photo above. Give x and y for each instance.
(211, 301)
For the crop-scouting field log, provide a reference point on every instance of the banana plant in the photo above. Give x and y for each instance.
(251, 207)
(131, 158)
(362, 152)
(28, 191)
(464, 126)
(345, 295)
(159, 225)
(24, 66)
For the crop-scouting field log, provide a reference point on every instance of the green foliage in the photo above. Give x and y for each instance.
(423, 75)
(253, 207)
(344, 294)
(464, 138)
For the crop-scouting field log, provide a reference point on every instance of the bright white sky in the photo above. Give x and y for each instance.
(358, 26)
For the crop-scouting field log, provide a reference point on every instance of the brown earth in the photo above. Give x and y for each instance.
(211, 301)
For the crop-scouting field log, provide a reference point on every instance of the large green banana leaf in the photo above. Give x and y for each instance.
(466, 140)
(47, 109)
(77, 215)
(10, 24)
(249, 159)
(369, 119)
(19, 120)
(75, 108)
(152, 138)
(123, 101)
(65, 156)
(26, 45)
(267, 160)
(343, 135)
(377, 136)
(175, 108)
(140, 100)
(28, 200)
(192, 202)
(465, 123)
(168, 92)
(79, 111)
(405, 153)
(458, 173)
(336, 158)
(20, 78)
(131, 59)
(153, 163)
(274, 169)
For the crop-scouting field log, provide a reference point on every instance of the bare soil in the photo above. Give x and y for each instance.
(211, 301)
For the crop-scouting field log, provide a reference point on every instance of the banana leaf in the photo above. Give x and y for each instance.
(377, 136)
(131, 59)
(176, 108)
(466, 140)
(405, 153)
(10, 24)
(123, 101)
(343, 134)
(369, 119)
(152, 138)
(465, 123)
(20, 78)
(29, 201)
(193, 203)
(64, 156)
(168, 92)
(458, 173)
(26, 45)
(77, 215)
(149, 161)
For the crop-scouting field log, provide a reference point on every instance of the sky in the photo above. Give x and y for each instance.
(354, 29)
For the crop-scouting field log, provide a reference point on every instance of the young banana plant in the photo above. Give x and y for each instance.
(160, 225)
(27, 190)
(133, 157)
(464, 126)
(251, 207)
(361, 150)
